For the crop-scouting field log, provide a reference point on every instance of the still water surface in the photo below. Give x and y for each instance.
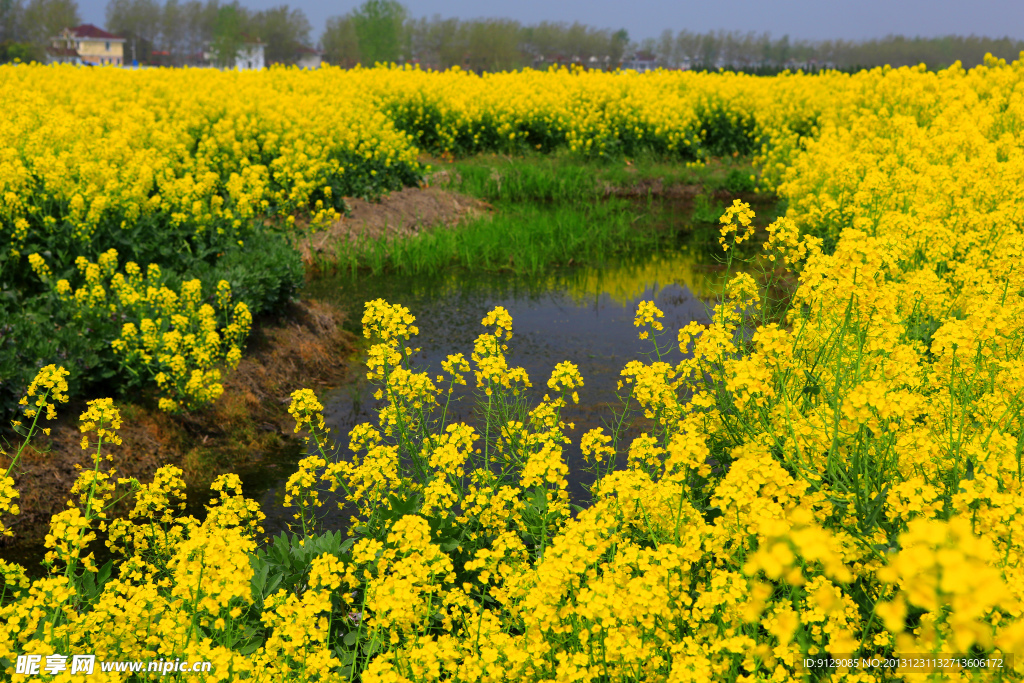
(584, 315)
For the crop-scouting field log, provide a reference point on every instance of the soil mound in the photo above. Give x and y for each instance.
(400, 214)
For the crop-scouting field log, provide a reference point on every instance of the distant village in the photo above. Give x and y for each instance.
(89, 45)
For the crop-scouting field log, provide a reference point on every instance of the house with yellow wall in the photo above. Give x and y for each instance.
(87, 44)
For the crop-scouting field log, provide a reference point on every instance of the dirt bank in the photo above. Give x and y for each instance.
(400, 214)
(303, 347)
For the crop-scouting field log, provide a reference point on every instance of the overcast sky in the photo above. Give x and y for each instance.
(801, 19)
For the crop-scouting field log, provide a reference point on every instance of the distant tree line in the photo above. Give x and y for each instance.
(382, 31)
(179, 32)
(25, 27)
(751, 51)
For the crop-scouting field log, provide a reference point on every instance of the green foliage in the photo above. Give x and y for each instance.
(264, 273)
(560, 175)
(369, 179)
(528, 180)
(284, 564)
(36, 329)
(725, 131)
(23, 53)
(89, 586)
(380, 27)
(449, 133)
(228, 38)
(33, 333)
(738, 181)
(549, 209)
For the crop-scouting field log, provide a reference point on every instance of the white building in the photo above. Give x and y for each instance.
(640, 61)
(250, 56)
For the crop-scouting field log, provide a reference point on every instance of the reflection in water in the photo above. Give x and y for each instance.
(627, 282)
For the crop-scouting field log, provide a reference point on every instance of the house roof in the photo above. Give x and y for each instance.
(62, 51)
(94, 32)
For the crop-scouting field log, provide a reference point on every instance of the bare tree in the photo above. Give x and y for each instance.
(340, 42)
(11, 12)
(173, 32)
(284, 30)
(138, 22)
(45, 19)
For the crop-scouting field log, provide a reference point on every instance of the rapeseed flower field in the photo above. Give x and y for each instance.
(845, 484)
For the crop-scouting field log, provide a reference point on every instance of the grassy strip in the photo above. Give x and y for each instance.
(527, 239)
(571, 177)
(550, 209)
(531, 178)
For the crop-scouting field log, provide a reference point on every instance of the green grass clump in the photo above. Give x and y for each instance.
(527, 180)
(527, 239)
(570, 177)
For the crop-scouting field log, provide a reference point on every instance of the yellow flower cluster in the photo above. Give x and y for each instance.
(181, 586)
(590, 112)
(100, 156)
(175, 339)
(49, 387)
(647, 315)
(736, 218)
